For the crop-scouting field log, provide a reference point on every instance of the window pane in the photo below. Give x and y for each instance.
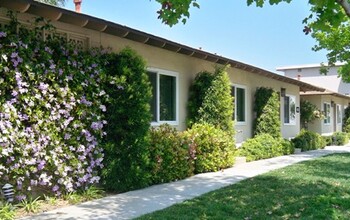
(327, 113)
(153, 103)
(292, 110)
(167, 100)
(339, 116)
(286, 110)
(234, 105)
(240, 101)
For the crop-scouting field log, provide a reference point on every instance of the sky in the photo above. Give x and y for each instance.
(267, 37)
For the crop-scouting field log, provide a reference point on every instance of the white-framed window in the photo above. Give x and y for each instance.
(289, 110)
(164, 103)
(239, 94)
(327, 113)
(339, 114)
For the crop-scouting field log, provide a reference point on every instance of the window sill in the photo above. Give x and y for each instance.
(173, 123)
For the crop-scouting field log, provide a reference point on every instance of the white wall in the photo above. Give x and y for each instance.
(330, 81)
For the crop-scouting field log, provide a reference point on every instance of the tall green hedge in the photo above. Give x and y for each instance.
(210, 100)
(346, 120)
(267, 108)
(128, 116)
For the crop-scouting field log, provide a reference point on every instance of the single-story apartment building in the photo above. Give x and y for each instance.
(331, 102)
(172, 65)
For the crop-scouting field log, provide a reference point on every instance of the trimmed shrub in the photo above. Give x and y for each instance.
(308, 140)
(210, 100)
(328, 140)
(267, 108)
(169, 158)
(128, 115)
(346, 120)
(308, 113)
(340, 138)
(287, 146)
(214, 148)
(265, 146)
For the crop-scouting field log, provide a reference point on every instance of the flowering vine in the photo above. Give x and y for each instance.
(51, 113)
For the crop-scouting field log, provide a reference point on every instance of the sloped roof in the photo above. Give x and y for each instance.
(307, 66)
(326, 92)
(86, 21)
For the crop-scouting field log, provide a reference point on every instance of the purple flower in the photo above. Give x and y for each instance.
(20, 197)
(67, 136)
(52, 66)
(2, 34)
(14, 55)
(55, 188)
(41, 165)
(47, 49)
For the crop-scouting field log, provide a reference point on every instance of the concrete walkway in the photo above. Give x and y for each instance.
(136, 203)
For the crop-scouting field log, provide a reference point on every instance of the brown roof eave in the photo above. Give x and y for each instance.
(86, 21)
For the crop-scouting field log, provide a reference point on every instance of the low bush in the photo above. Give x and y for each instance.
(308, 140)
(340, 138)
(169, 155)
(214, 148)
(265, 146)
(328, 140)
(287, 146)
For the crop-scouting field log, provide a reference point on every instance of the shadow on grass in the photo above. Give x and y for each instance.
(317, 189)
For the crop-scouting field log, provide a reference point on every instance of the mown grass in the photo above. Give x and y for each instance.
(316, 189)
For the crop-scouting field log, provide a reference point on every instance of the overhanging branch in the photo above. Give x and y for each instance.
(346, 6)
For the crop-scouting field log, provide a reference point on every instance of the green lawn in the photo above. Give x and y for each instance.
(317, 189)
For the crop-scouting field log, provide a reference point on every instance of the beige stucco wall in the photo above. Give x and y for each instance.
(252, 82)
(186, 67)
(318, 125)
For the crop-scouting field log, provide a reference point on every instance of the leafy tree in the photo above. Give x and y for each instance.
(328, 23)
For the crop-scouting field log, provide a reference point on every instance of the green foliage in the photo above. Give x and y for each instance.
(328, 140)
(287, 146)
(265, 146)
(340, 138)
(51, 112)
(170, 155)
(128, 116)
(30, 205)
(308, 113)
(172, 11)
(210, 100)
(7, 212)
(214, 148)
(267, 108)
(308, 140)
(346, 120)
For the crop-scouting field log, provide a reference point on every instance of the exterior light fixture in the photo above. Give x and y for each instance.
(8, 191)
(283, 92)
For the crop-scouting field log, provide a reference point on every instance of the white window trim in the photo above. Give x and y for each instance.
(245, 104)
(167, 73)
(341, 114)
(330, 115)
(295, 120)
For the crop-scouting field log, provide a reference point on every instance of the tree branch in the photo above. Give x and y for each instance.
(346, 6)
